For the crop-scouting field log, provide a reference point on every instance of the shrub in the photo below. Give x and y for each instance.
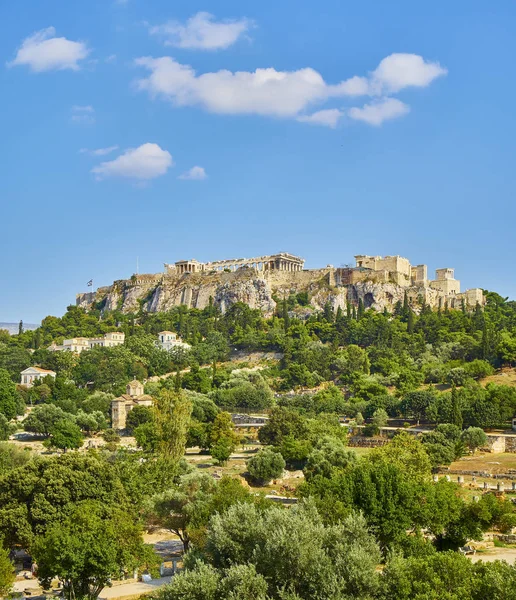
(110, 436)
(266, 465)
(370, 430)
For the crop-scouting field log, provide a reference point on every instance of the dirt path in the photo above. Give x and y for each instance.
(126, 590)
(507, 554)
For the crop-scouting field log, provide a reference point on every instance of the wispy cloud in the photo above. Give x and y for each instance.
(328, 118)
(148, 161)
(42, 51)
(195, 173)
(99, 151)
(202, 32)
(84, 115)
(377, 112)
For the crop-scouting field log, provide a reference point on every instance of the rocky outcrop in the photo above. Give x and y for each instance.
(194, 291)
(160, 293)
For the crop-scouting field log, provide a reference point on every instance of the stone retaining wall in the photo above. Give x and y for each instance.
(365, 442)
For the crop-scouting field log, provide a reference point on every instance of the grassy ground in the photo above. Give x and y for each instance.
(502, 377)
(491, 463)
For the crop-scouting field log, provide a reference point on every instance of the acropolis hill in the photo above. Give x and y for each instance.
(380, 282)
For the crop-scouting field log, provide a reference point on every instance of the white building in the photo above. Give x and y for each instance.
(108, 340)
(168, 340)
(30, 375)
(77, 345)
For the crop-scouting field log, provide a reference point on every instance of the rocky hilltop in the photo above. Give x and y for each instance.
(258, 289)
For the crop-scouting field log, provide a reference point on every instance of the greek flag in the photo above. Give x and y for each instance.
(90, 282)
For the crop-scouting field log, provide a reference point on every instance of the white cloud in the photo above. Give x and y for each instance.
(274, 93)
(379, 111)
(145, 162)
(202, 32)
(99, 151)
(84, 115)
(399, 71)
(195, 173)
(329, 117)
(264, 91)
(110, 59)
(42, 51)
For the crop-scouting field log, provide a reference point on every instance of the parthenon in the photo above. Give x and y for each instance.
(282, 261)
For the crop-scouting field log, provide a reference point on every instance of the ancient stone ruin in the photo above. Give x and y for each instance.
(379, 282)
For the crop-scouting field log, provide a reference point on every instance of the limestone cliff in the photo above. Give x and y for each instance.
(161, 292)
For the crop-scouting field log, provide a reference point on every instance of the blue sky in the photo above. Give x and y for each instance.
(150, 129)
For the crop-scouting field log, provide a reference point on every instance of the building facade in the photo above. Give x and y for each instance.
(32, 374)
(124, 404)
(282, 261)
(168, 340)
(77, 345)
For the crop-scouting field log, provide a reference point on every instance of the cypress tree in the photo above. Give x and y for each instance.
(361, 309)
(177, 381)
(348, 309)
(328, 313)
(354, 313)
(410, 322)
(485, 342)
(37, 339)
(286, 318)
(456, 412)
(340, 315)
(405, 306)
(20, 328)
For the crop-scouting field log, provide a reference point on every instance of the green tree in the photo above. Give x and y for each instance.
(185, 507)
(282, 423)
(439, 448)
(90, 422)
(222, 449)
(42, 492)
(266, 465)
(416, 403)
(456, 408)
(147, 437)
(7, 574)
(223, 437)
(380, 418)
(295, 552)
(172, 419)
(240, 582)
(88, 548)
(407, 453)
(65, 435)
(446, 576)
(328, 455)
(8, 402)
(12, 457)
(473, 438)
(138, 416)
(5, 428)
(42, 419)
